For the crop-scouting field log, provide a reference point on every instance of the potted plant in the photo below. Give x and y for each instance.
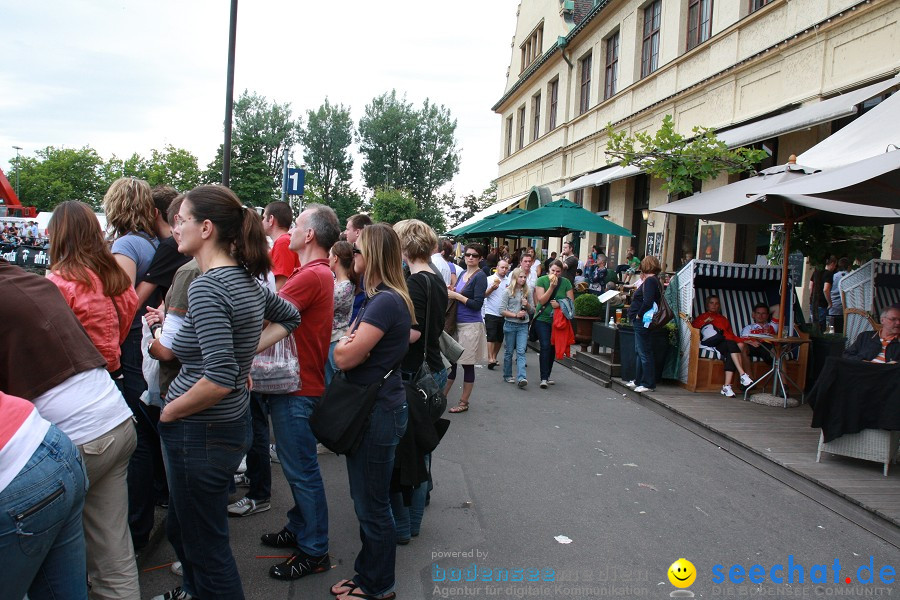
(587, 310)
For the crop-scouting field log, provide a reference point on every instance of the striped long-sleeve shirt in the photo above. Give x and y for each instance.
(221, 330)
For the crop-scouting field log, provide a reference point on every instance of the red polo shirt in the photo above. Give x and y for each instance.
(311, 289)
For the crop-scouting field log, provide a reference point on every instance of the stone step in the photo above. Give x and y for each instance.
(587, 371)
(600, 363)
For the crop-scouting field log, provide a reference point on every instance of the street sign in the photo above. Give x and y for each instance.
(294, 182)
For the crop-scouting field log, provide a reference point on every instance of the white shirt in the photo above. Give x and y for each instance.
(442, 266)
(492, 303)
(530, 279)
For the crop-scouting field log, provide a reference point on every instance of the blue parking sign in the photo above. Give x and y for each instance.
(295, 182)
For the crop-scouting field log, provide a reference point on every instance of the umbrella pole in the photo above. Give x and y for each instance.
(786, 250)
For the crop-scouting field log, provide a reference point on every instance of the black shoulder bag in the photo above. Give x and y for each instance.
(424, 383)
(342, 414)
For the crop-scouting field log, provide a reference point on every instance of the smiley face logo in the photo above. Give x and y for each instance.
(682, 573)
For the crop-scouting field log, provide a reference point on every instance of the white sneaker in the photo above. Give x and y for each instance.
(177, 569)
(246, 507)
(551, 382)
(746, 381)
(241, 480)
(631, 383)
(727, 391)
(176, 594)
(242, 468)
(273, 455)
(320, 449)
(543, 384)
(641, 389)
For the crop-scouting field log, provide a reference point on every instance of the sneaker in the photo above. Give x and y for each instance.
(246, 507)
(241, 480)
(522, 383)
(273, 455)
(282, 539)
(727, 391)
(746, 381)
(509, 380)
(300, 565)
(177, 569)
(543, 384)
(631, 383)
(176, 594)
(551, 382)
(242, 468)
(640, 389)
(320, 449)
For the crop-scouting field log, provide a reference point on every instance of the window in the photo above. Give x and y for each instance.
(509, 133)
(612, 65)
(585, 100)
(755, 5)
(699, 22)
(554, 96)
(603, 198)
(536, 117)
(650, 47)
(521, 140)
(579, 197)
(531, 48)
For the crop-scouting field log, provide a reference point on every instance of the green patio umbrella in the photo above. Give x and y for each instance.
(557, 219)
(484, 226)
(460, 231)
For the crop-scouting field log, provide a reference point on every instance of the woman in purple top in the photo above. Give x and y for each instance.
(470, 333)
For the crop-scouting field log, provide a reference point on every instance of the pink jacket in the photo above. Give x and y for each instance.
(106, 326)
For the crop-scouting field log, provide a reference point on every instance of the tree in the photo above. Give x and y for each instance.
(392, 205)
(172, 166)
(262, 130)
(470, 204)
(326, 140)
(410, 149)
(677, 160)
(55, 175)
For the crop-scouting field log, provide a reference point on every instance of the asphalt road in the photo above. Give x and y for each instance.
(576, 491)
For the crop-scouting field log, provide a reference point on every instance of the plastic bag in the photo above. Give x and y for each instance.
(150, 368)
(276, 369)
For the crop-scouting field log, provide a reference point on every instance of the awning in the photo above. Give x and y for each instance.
(865, 137)
(600, 177)
(795, 120)
(494, 208)
(804, 117)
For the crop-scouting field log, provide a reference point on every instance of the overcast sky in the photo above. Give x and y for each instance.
(126, 77)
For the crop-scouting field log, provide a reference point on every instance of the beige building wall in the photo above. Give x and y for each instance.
(787, 53)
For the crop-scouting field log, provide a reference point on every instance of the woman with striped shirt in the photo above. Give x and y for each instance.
(205, 425)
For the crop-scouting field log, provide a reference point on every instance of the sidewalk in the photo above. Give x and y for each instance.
(781, 443)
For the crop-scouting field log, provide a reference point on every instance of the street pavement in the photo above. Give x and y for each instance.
(576, 491)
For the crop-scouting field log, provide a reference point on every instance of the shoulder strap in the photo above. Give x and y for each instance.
(427, 316)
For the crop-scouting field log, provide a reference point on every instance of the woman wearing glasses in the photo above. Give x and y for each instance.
(470, 333)
(205, 425)
(378, 341)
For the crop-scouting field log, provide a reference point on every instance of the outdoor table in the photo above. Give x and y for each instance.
(778, 348)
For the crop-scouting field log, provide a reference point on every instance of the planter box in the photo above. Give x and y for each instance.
(608, 337)
(583, 332)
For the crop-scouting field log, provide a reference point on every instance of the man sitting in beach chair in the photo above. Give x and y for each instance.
(762, 326)
(879, 346)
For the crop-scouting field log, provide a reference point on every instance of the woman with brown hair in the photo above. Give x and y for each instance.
(373, 350)
(340, 259)
(92, 282)
(205, 425)
(648, 294)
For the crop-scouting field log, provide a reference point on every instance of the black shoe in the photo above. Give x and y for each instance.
(300, 565)
(282, 539)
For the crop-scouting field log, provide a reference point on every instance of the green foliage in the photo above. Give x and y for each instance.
(392, 205)
(818, 241)
(173, 166)
(55, 175)
(471, 204)
(679, 161)
(326, 140)
(588, 305)
(410, 149)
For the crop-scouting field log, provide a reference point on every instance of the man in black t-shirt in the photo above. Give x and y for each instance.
(167, 259)
(818, 298)
(570, 262)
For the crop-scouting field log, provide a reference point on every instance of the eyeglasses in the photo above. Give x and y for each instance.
(470, 255)
(180, 221)
(357, 251)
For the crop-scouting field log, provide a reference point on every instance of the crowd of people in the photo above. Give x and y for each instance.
(26, 233)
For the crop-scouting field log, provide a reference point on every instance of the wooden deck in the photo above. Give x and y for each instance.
(781, 442)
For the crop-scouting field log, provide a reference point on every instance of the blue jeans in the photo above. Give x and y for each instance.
(41, 532)
(369, 470)
(296, 447)
(330, 367)
(516, 339)
(259, 463)
(201, 459)
(546, 355)
(644, 365)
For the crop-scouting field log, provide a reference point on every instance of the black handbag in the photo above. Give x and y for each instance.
(424, 382)
(342, 414)
(663, 313)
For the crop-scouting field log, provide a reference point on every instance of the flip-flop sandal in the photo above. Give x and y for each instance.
(358, 593)
(459, 408)
(347, 584)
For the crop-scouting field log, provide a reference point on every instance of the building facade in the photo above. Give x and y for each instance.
(578, 65)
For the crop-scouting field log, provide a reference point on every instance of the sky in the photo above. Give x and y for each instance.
(129, 76)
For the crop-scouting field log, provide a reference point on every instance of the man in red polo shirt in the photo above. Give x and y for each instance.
(277, 219)
(311, 290)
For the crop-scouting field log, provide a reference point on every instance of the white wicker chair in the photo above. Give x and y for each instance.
(878, 445)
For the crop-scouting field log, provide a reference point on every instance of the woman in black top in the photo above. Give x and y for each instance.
(649, 292)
